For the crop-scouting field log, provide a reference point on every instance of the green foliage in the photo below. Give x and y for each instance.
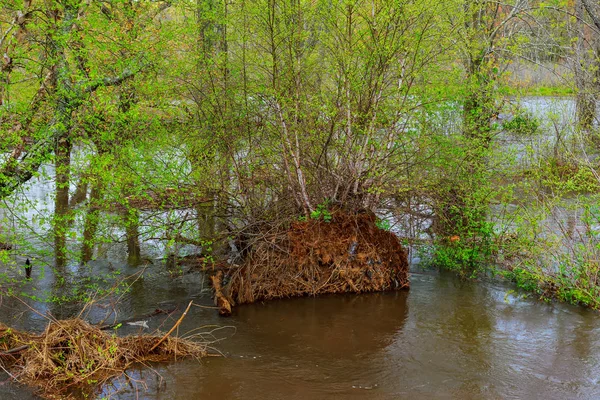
(540, 91)
(522, 123)
(564, 286)
(383, 224)
(565, 176)
(467, 255)
(524, 278)
(322, 211)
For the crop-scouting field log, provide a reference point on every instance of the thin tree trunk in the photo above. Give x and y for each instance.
(62, 165)
(585, 101)
(132, 222)
(92, 220)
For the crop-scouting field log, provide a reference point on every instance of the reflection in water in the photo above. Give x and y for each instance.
(468, 326)
(300, 348)
(445, 339)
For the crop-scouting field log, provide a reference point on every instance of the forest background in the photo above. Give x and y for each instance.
(166, 128)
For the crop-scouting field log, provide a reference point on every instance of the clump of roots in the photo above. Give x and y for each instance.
(349, 253)
(73, 358)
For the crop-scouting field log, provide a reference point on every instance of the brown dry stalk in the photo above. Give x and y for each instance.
(74, 355)
(14, 350)
(174, 327)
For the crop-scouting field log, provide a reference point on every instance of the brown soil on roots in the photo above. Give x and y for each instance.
(348, 254)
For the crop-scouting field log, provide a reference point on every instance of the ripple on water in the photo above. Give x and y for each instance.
(444, 338)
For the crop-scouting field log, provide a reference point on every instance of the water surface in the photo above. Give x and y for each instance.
(445, 338)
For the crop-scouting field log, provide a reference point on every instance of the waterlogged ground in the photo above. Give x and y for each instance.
(444, 338)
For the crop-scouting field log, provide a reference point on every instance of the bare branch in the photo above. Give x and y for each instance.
(590, 11)
(91, 87)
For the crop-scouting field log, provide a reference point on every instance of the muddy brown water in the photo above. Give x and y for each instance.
(444, 338)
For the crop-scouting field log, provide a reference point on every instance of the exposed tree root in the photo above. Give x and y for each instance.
(347, 254)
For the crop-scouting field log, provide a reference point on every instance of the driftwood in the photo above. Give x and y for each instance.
(220, 300)
(111, 326)
(173, 328)
(73, 358)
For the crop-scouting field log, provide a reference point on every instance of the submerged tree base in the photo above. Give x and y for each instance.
(72, 358)
(348, 253)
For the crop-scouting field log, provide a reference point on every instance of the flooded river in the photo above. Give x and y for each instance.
(444, 338)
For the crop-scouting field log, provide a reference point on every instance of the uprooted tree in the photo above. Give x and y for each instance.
(328, 120)
(325, 117)
(231, 126)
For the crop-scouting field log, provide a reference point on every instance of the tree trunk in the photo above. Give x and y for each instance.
(92, 220)
(132, 222)
(62, 166)
(585, 99)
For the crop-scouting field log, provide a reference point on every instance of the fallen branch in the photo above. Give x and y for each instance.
(15, 350)
(173, 328)
(221, 301)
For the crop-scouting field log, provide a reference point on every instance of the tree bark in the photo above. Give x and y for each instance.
(585, 100)
(132, 221)
(62, 165)
(92, 220)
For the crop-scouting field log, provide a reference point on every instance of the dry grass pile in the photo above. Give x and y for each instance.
(12, 342)
(73, 358)
(348, 254)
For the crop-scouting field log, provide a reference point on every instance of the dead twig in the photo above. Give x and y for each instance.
(174, 327)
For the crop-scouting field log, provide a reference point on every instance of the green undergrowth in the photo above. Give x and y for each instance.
(539, 91)
(574, 280)
(571, 287)
(562, 176)
(522, 123)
